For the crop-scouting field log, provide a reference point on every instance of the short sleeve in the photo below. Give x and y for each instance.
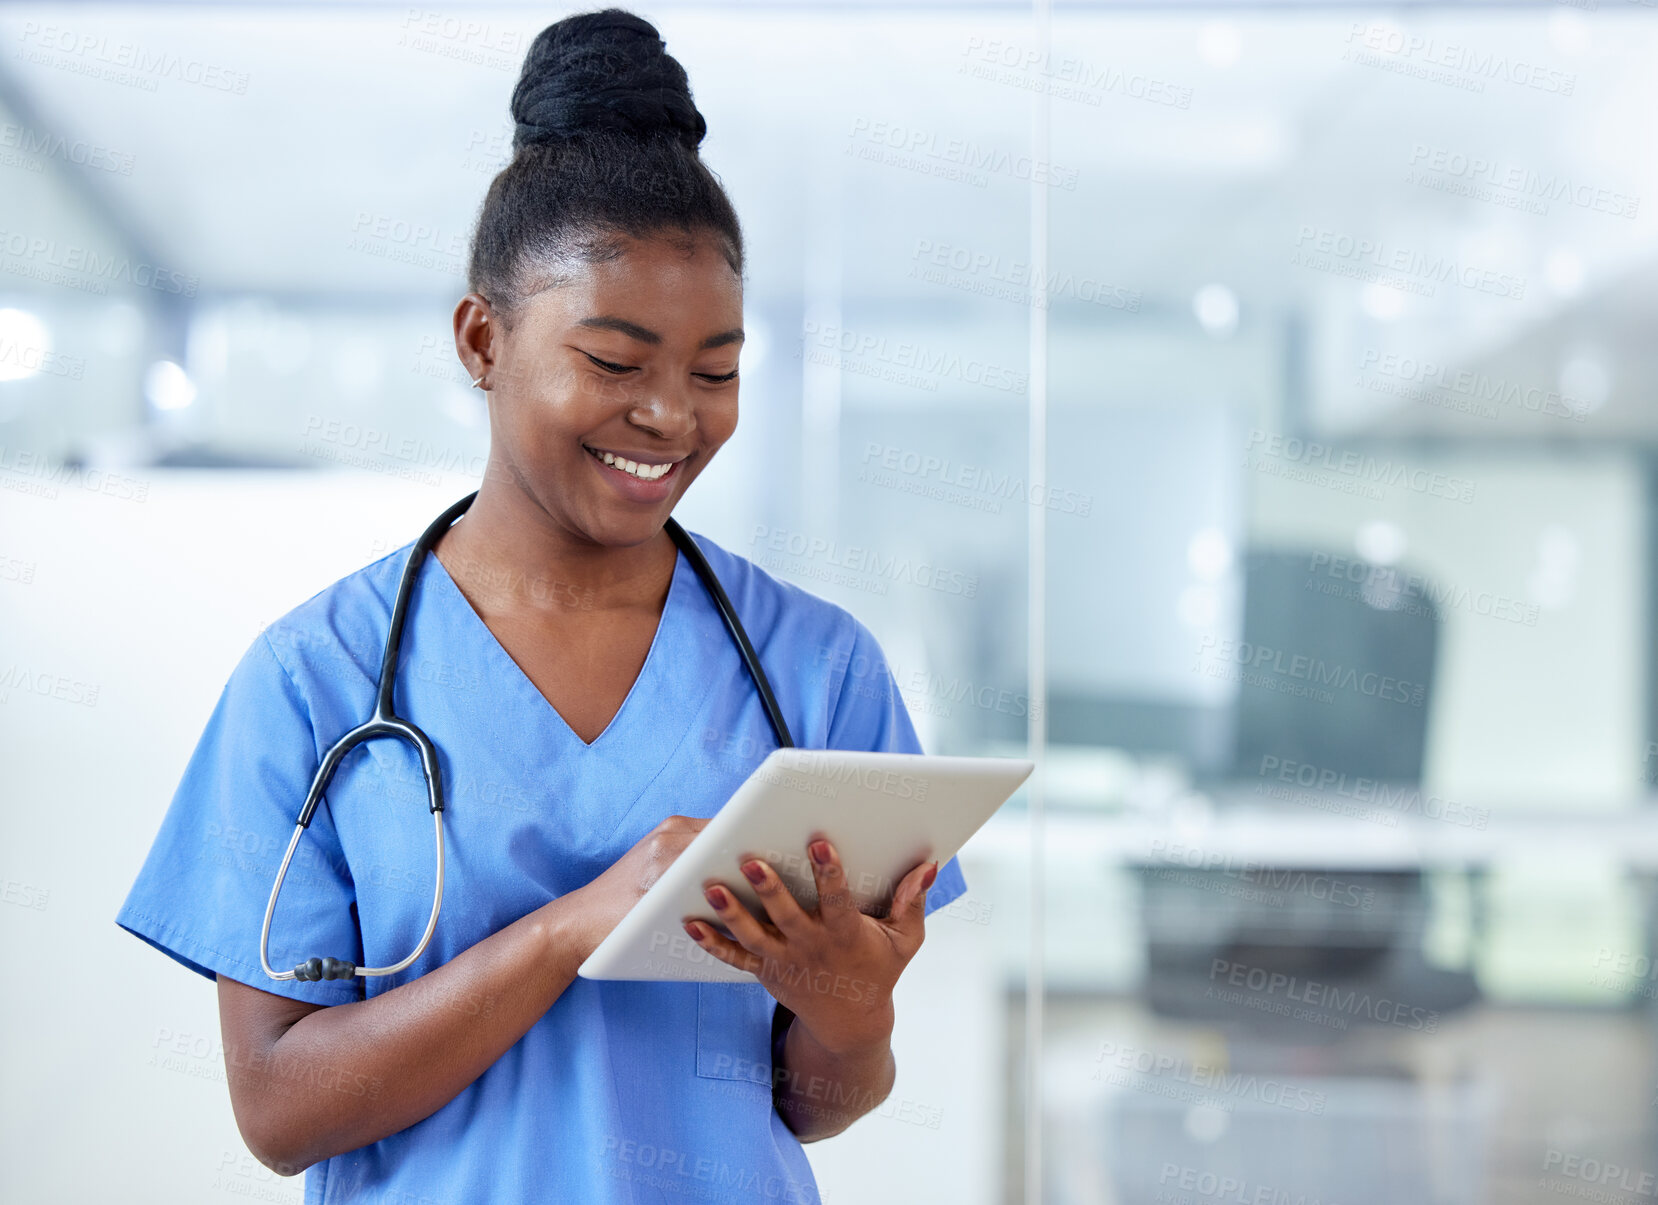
(201, 893)
(869, 714)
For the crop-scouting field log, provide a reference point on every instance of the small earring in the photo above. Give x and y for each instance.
(478, 384)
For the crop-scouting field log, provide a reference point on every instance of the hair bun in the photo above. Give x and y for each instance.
(604, 70)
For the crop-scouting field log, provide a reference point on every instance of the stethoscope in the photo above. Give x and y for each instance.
(386, 722)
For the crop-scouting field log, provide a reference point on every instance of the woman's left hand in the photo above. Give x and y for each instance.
(833, 967)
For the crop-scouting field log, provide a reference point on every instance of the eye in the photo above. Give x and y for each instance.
(606, 365)
(730, 376)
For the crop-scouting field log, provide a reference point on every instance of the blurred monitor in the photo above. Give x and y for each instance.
(1334, 668)
(1327, 673)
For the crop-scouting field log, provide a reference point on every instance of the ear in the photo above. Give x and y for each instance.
(477, 329)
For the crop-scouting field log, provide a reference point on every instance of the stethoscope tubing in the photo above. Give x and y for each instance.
(386, 722)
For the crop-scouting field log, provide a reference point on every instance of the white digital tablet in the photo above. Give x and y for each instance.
(884, 812)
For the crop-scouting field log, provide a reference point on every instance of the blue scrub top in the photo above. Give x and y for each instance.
(622, 1091)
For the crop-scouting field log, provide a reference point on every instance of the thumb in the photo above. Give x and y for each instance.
(909, 902)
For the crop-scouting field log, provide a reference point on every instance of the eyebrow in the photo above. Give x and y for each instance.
(633, 330)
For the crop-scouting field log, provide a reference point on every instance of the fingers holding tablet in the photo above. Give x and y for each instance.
(907, 920)
(836, 904)
(896, 818)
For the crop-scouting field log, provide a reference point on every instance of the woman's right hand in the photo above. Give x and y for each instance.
(420, 1043)
(607, 899)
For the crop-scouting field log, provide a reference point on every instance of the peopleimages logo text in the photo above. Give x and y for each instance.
(1477, 386)
(145, 64)
(1476, 64)
(929, 363)
(1327, 999)
(1495, 175)
(987, 483)
(1313, 670)
(867, 561)
(1409, 264)
(1311, 454)
(1410, 589)
(101, 268)
(985, 272)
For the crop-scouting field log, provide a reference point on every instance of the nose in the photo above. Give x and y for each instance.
(666, 412)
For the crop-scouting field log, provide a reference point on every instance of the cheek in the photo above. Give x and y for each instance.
(719, 420)
(548, 411)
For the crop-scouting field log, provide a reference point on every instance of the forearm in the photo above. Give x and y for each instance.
(819, 1092)
(342, 1077)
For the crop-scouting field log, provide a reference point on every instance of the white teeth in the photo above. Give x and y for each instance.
(645, 472)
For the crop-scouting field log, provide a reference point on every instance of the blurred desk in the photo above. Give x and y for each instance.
(1232, 836)
(1098, 865)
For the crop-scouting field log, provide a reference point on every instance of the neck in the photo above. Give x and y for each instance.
(509, 550)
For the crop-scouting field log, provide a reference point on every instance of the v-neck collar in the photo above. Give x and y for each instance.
(648, 672)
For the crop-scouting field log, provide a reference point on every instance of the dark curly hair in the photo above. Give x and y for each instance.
(605, 148)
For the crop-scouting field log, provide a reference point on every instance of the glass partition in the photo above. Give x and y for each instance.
(1349, 670)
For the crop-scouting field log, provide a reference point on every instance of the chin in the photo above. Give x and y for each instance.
(627, 530)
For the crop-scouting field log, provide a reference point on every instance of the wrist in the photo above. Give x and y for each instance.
(865, 1044)
(563, 933)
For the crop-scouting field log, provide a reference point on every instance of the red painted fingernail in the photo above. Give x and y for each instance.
(820, 852)
(927, 879)
(691, 928)
(715, 897)
(754, 873)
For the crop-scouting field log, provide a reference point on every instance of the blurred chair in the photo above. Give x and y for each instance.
(1357, 706)
(1353, 949)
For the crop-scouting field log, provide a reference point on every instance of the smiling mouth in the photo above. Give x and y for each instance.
(633, 468)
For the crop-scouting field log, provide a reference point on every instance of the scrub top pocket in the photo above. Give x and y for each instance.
(734, 1032)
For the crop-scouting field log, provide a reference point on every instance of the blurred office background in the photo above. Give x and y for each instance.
(1303, 353)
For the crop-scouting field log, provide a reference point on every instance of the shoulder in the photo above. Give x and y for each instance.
(816, 632)
(338, 634)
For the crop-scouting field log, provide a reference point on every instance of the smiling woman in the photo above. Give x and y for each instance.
(604, 321)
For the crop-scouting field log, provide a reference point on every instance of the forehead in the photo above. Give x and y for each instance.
(682, 288)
